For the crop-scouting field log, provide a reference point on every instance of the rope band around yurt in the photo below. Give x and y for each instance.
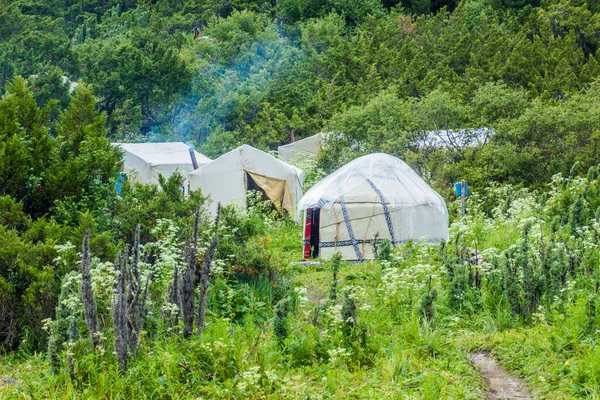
(349, 227)
(386, 211)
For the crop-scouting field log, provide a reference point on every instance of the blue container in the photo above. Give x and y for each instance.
(458, 188)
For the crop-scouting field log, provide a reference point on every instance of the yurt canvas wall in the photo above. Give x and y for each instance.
(310, 146)
(143, 162)
(228, 178)
(373, 194)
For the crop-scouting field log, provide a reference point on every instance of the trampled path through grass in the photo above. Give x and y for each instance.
(501, 385)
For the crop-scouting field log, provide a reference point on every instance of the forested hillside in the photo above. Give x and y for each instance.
(145, 294)
(383, 74)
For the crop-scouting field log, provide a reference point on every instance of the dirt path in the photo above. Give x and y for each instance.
(501, 385)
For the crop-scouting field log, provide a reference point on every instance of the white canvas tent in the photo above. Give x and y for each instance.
(143, 162)
(310, 146)
(377, 193)
(228, 178)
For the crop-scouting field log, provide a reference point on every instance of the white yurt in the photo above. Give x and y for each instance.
(143, 162)
(228, 178)
(376, 193)
(307, 147)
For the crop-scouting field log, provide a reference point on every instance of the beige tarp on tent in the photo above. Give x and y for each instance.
(377, 193)
(143, 162)
(310, 146)
(229, 177)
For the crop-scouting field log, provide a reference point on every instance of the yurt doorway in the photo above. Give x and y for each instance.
(311, 233)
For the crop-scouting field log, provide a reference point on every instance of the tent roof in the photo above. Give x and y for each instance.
(253, 160)
(308, 146)
(163, 153)
(370, 178)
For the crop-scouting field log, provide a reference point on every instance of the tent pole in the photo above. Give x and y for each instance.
(193, 157)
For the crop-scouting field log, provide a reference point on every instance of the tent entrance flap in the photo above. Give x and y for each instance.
(273, 189)
(252, 185)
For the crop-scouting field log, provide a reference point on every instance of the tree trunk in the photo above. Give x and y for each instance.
(87, 293)
(205, 273)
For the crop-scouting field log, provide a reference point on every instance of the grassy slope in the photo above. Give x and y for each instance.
(405, 359)
(404, 355)
(414, 359)
(410, 360)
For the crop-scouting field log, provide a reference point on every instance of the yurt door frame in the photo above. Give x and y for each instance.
(312, 221)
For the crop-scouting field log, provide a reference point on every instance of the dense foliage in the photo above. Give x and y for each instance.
(385, 75)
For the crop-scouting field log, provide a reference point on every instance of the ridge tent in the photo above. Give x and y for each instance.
(229, 177)
(310, 146)
(376, 193)
(143, 162)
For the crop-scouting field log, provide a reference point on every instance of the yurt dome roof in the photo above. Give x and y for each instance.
(372, 178)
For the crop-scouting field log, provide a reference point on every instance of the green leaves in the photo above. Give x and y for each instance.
(496, 102)
(138, 68)
(384, 124)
